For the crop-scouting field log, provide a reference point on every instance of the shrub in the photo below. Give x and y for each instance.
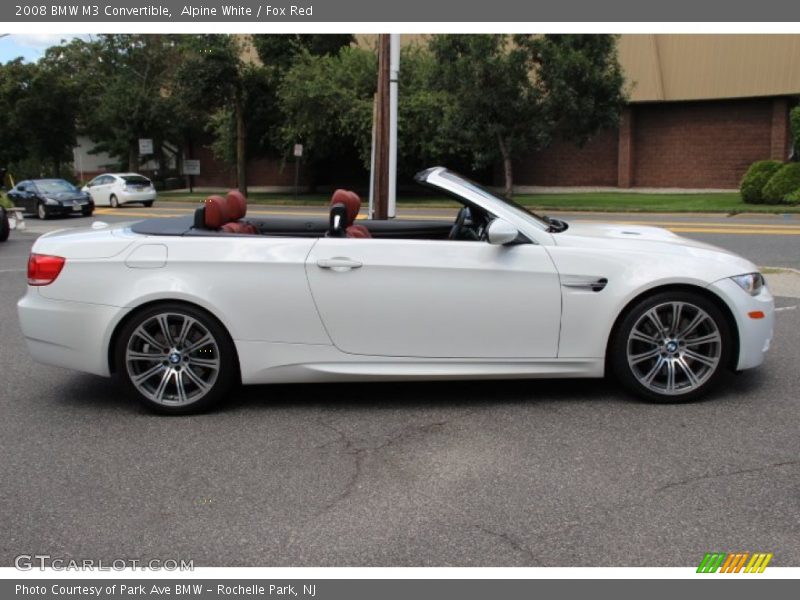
(756, 178)
(782, 183)
(792, 198)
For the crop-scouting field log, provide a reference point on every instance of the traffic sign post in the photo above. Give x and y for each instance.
(191, 167)
(145, 146)
(298, 154)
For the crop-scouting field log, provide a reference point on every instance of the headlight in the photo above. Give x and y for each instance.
(51, 202)
(752, 283)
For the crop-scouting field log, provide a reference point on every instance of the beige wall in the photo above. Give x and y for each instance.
(662, 67)
(701, 67)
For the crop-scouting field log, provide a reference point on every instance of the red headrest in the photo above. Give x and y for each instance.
(216, 212)
(351, 202)
(237, 205)
(358, 231)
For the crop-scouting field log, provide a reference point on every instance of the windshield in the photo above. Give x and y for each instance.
(523, 212)
(55, 186)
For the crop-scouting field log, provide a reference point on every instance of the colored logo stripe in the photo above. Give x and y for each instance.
(711, 562)
(734, 562)
(758, 563)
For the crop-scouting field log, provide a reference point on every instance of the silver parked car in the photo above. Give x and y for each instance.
(116, 189)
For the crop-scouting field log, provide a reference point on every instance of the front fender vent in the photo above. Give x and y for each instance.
(581, 282)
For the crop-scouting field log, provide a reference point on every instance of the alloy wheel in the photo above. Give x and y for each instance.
(172, 359)
(674, 348)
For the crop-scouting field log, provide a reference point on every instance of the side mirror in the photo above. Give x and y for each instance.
(501, 232)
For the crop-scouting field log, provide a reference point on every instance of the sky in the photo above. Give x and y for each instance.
(31, 47)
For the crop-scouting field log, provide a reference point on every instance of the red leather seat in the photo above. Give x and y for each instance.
(215, 212)
(352, 204)
(237, 209)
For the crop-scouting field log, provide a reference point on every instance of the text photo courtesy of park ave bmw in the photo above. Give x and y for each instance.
(312, 302)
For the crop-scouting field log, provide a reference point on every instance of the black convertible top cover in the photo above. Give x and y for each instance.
(164, 226)
(280, 226)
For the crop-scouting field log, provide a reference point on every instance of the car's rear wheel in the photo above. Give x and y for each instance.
(41, 211)
(113, 201)
(671, 347)
(176, 359)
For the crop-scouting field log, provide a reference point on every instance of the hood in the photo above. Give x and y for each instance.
(67, 196)
(634, 237)
(648, 250)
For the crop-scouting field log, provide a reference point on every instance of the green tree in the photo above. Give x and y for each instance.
(517, 94)
(123, 83)
(14, 77)
(278, 51)
(212, 74)
(326, 101)
(240, 95)
(277, 54)
(38, 110)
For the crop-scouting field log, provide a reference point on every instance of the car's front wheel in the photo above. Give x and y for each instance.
(176, 359)
(671, 347)
(147, 203)
(41, 211)
(113, 201)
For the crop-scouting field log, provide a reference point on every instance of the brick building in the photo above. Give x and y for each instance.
(702, 109)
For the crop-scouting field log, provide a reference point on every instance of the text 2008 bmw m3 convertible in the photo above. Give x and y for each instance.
(183, 308)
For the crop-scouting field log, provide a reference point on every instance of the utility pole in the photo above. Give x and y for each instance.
(380, 173)
(394, 73)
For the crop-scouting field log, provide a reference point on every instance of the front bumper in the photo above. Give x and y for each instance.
(73, 335)
(755, 335)
(69, 208)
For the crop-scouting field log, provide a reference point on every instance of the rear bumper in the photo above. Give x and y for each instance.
(755, 335)
(146, 196)
(73, 335)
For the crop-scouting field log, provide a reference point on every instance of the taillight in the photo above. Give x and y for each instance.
(43, 269)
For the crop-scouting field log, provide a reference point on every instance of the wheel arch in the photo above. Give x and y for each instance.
(112, 344)
(705, 292)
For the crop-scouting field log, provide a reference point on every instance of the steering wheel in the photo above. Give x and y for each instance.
(458, 226)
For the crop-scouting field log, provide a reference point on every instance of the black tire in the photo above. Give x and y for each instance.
(41, 211)
(5, 226)
(87, 212)
(693, 305)
(224, 352)
(112, 200)
(147, 204)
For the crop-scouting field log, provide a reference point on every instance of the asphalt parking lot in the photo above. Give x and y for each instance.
(525, 473)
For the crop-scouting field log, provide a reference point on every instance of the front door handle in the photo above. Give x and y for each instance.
(338, 264)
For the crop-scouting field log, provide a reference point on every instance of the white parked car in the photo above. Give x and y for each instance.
(180, 309)
(116, 189)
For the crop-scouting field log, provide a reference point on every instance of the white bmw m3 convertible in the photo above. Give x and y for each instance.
(182, 308)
